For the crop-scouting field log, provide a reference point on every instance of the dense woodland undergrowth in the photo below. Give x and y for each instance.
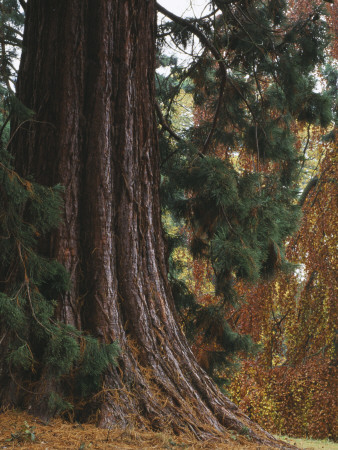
(255, 295)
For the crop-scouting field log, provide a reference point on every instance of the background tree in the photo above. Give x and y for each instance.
(294, 317)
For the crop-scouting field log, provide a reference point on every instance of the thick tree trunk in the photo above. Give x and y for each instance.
(88, 72)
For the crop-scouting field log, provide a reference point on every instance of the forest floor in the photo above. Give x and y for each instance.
(21, 430)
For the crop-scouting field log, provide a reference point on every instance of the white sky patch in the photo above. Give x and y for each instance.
(301, 272)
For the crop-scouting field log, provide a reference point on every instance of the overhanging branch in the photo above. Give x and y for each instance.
(216, 54)
(204, 40)
(312, 183)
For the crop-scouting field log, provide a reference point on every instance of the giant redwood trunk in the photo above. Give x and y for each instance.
(87, 71)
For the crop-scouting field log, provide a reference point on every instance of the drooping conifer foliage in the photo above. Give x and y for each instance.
(94, 107)
(235, 171)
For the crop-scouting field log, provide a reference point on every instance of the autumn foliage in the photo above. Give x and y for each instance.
(291, 387)
(296, 401)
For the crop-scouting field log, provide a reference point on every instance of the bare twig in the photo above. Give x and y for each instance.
(4, 124)
(184, 77)
(308, 188)
(28, 291)
(3, 337)
(22, 123)
(214, 123)
(165, 124)
(305, 148)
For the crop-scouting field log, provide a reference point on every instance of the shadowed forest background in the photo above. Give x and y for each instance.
(168, 238)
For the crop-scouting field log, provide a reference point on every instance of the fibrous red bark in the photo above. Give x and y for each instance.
(87, 71)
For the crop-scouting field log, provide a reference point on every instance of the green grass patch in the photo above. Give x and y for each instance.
(310, 444)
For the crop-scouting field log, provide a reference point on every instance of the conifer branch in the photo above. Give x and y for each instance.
(15, 42)
(220, 61)
(248, 106)
(167, 127)
(204, 40)
(14, 30)
(165, 124)
(214, 123)
(214, 51)
(184, 77)
(243, 28)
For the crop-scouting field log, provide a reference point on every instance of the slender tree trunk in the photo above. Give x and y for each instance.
(87, 71)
